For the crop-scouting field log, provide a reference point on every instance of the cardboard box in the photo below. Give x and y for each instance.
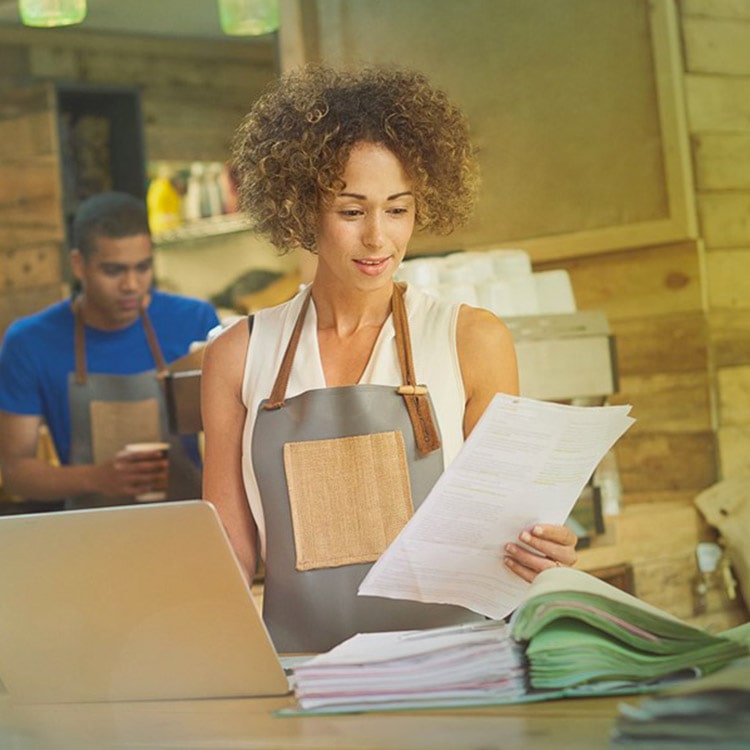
(563, 357)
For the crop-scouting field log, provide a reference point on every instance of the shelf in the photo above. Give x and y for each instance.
(210, 227)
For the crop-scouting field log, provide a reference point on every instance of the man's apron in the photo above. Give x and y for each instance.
(340, 471)
(109, 411)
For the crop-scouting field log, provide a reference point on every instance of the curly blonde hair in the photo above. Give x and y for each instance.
(291, 149)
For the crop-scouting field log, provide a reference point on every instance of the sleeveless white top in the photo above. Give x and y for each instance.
(432, 326)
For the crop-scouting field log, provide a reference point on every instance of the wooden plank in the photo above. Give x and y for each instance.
(667, 343)
(722, 161)
(638, 283)
(21, 181)
(30, 267)
(734, 397)
(674, 402)
(674, 497)
(14, 62)
(728, 278)
(191, 112)
(725, 218)
(13, 237)
(667, 582)
(716, 46)
(250, 50)
(639, 534)
(56, 62)
(20, 101)
(729, 335)
(29, 137)
(238, 79)
(174, 143)
(737, 9)
(734, 449)
(717, 104)
(667, 461)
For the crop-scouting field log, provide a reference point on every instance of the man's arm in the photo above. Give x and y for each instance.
(32, 478)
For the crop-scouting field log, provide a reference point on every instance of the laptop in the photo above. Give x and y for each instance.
(139, 602)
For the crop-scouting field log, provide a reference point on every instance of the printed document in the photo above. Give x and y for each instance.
(525, 463)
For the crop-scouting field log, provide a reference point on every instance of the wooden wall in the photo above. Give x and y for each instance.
(676, 306)
(193, 94)
(681, 317)
(716, 37)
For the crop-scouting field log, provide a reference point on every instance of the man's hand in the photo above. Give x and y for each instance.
(132, 473)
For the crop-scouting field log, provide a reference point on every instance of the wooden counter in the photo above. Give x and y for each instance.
(248, 724)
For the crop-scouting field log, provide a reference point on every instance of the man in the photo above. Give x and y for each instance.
(90, 369)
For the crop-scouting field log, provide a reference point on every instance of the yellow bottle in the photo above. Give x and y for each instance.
(163, 204)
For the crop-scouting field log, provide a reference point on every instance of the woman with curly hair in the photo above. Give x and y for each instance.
(329, 418)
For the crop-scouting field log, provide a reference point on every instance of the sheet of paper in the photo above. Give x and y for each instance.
(525, 462)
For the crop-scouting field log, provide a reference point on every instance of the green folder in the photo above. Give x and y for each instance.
(581, 631)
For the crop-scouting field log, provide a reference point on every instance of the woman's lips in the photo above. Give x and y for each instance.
(372, 266)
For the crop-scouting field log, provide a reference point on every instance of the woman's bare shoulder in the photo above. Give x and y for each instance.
(229, 348)
(481, 331)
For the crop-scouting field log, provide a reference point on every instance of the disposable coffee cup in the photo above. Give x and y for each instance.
(156, 493)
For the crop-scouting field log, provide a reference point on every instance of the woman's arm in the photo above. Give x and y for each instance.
(223, 416)
(488, 366)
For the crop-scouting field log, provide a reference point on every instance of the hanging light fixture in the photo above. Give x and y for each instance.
(248, 17)
(52, 12)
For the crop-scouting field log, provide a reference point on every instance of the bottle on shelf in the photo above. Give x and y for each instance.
(163, 203)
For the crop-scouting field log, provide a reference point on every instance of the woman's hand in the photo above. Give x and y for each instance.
(555, 545)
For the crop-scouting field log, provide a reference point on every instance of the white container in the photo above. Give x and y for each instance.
(510, 262)
(554, 292)
(496, 295)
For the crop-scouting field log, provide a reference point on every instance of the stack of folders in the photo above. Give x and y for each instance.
(711, 712)
(573, 635)
(471, 664)
(583, 635)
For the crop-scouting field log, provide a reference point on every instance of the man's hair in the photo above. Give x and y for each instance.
(112, 214)
(291, 149)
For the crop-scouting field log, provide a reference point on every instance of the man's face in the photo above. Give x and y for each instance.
(116, 279)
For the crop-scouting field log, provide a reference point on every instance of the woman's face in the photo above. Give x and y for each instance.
(364, 232)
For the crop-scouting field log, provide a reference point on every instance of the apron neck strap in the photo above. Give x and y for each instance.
(80, 343)
(278, 392)
(415, 396)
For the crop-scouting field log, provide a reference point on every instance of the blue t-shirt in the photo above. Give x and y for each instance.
(38, 354)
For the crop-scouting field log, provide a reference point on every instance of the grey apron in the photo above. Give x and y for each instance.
(310, 600)
(109, 411)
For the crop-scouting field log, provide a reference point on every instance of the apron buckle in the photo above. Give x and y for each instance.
(411, 390)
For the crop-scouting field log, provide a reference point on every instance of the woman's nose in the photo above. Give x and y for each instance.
(373, 233)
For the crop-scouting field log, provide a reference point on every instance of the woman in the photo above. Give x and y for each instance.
(329, 422)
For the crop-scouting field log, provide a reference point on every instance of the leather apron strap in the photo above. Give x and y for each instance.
(415, 396)
(80, 344)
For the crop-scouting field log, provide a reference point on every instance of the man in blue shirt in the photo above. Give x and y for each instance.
(91, 368)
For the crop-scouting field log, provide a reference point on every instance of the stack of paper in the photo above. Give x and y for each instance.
(470, 664)
(582, 632)
(711, 712)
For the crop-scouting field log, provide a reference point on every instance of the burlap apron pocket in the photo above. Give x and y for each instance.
(349, 497)
(114, 424)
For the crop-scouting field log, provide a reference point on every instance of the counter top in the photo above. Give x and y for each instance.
(235, 723)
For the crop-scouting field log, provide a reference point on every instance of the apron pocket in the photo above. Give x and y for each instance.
(349, 497)
(114, 424)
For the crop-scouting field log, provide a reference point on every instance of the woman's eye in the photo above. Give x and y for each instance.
(350, 213)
